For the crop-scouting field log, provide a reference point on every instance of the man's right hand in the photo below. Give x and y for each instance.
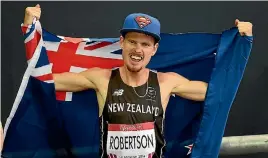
(31, 13)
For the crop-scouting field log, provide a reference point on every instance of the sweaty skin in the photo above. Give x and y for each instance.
(137, 50)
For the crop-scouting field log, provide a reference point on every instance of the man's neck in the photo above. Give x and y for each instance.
(134, 79)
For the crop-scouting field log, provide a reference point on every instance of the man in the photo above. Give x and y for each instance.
(132, 99)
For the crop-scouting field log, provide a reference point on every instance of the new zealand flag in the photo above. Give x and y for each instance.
(48, 124)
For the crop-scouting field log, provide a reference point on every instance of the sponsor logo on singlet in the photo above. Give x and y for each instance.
(118, 92)
(131, 141)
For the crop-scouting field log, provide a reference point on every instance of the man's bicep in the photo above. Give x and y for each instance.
(184, 85)
(93, 77)
(179, 83)
(193, 90)
(72, 82)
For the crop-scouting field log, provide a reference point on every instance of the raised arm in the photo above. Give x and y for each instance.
(68, 81)
(196, 90)
(31, 13)
(181, 86)
(73, 82)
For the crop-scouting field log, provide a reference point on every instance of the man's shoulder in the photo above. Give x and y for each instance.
(98, 72)
(166, 75)
(169, 77)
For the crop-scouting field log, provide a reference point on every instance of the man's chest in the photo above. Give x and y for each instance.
(122, 99)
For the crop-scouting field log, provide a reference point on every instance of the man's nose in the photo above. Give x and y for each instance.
(138, 48)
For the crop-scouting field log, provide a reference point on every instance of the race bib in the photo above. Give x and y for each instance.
(131, 141)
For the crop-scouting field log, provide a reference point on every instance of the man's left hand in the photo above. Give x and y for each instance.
(245, 28)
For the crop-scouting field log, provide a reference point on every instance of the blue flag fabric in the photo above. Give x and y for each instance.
(47, 124)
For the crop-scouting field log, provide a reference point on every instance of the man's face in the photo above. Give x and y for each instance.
(137, 50)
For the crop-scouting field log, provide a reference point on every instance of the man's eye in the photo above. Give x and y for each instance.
(145, 44)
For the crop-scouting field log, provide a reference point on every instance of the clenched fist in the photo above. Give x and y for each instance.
(31, 13)
(245, 28)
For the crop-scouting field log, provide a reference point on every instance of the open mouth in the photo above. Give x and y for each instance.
(136, 58)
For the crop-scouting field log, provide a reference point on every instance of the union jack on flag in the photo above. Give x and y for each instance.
(67, 54)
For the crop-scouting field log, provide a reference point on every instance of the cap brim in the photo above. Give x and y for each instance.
(124, 31)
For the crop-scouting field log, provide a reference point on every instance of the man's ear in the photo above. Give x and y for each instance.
(121, 41)
(155, 48)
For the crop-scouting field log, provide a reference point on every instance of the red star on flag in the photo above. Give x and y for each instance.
(190, 147)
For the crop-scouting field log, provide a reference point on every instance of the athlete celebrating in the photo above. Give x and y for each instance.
(132, 99)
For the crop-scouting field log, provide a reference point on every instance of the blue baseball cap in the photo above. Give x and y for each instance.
(143, 23)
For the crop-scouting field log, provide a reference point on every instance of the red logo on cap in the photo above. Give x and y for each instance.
(142, 21)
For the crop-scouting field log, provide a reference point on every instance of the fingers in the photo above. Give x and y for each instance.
(244, 28)
(31, 10)
(34, 11)
(36, 14)
(236, 22)
(242, 23)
